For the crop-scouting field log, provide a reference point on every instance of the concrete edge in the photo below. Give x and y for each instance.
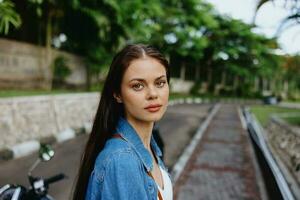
(277, 167)
(258, 175)
(31, 146)
(185, 156)
(25, 148)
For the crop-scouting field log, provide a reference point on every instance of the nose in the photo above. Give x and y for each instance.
(152, 93)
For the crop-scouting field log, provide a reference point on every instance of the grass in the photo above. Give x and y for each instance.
(16, 93)
(263, 113)
(293, 101)
(293, 120)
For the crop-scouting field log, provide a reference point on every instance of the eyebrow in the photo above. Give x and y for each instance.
(140, 79)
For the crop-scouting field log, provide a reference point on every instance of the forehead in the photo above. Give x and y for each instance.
(145, 68)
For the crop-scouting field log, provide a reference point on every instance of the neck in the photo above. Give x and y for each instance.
(143, 129)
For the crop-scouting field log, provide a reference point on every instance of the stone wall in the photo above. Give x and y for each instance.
(24, 65)
(27, 118)
(285, 140)
(180, 86)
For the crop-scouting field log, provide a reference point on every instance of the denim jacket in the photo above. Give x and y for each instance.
(120, 170)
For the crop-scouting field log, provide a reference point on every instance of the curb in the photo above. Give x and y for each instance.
(31, 146)
(276, 166)
(258, 172)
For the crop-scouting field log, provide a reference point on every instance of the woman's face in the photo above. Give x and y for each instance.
(144, 90)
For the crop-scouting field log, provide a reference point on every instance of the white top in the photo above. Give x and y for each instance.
(167, 192)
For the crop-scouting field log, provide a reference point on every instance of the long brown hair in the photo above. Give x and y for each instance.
(109, 110)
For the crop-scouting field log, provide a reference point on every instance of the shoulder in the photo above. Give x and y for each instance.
(113, 149)
(117, 173)
(116, 156)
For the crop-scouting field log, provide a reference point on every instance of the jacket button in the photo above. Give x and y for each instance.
(151, 188)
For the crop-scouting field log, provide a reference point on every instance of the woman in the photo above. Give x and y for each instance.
(121, 158)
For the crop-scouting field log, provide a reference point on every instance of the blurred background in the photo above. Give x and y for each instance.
(54, 56)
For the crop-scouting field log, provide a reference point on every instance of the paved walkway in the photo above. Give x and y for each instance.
(221, 166)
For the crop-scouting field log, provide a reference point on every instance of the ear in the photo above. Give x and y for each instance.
(118, 98)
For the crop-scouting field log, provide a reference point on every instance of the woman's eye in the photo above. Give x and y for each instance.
(161, 83)
(137, 86)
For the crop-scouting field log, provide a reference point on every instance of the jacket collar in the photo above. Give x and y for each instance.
(130, 135)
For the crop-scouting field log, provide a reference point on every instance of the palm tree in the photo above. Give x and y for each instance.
(291, 20)
(8, 16)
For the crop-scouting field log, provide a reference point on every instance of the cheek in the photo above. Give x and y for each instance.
(131, 97)
(164, 93)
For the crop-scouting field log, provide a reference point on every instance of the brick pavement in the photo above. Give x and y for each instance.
(221, 167)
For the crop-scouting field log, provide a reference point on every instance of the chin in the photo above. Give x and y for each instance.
(153, 117)
(148, 117)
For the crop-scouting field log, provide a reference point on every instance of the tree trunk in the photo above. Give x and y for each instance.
(256, 84)
(209, 76)
(88, 78)
(223, 79)
(272, 85)
(209, 73)
(286, 86)
(48, 31)
(197, 73)
(182, 71)
(40, 36)
(48, 49)
(264, 84)
(235, 82)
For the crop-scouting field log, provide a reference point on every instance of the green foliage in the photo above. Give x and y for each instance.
(189, 32)
(8, 16)
(186, 26)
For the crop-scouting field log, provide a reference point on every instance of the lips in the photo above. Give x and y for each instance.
(153, 108)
